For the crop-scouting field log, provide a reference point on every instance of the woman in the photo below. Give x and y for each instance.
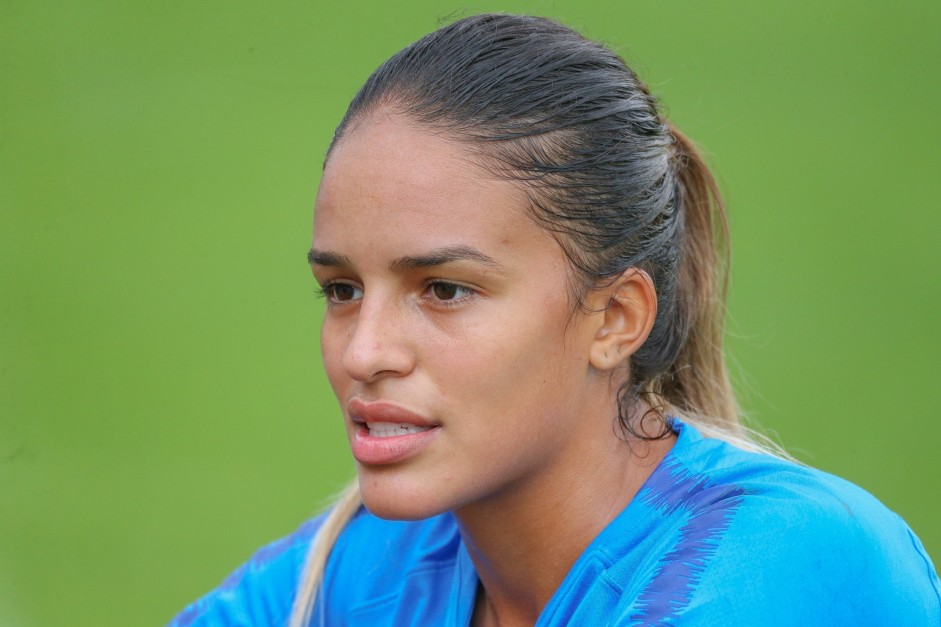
(525, 268)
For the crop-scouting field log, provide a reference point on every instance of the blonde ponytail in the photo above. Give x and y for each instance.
(707, 401)
(698, 381)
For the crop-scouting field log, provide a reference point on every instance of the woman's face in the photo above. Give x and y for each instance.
(449, 336)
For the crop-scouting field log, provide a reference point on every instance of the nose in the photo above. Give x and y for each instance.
(379, 345)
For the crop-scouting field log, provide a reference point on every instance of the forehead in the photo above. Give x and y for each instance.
(390, 179)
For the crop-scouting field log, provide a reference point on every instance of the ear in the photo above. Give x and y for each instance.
(630, 307)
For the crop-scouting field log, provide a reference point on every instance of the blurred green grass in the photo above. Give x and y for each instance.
(163, 411)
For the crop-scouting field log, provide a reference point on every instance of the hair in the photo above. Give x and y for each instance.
(616, 184)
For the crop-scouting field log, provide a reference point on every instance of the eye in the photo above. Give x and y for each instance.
(444, 291)
(341, 292)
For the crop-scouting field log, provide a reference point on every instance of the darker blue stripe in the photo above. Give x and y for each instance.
(671, 486)
(710, 510)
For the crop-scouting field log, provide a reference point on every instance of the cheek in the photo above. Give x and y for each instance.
(513, 361)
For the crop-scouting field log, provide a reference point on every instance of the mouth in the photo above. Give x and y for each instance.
(387, 433)
(386, 418)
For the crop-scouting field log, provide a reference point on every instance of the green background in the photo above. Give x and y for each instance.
(163, 411)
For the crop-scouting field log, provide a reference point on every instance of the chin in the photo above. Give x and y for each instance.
(384, 499)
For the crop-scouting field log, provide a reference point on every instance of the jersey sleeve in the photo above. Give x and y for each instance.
(830, 561)
(261, 591)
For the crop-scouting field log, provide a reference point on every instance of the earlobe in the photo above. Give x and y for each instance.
(629, 313)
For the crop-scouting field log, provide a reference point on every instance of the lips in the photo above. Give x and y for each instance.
(387, 433)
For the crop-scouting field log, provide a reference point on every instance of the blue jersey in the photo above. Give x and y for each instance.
(716, 536)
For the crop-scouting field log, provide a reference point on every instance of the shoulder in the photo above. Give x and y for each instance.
(260, 591)
(767, 532)
(372, 559)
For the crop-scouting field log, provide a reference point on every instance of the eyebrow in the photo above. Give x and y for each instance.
(433, 258)
(439, 257)
(327, 258)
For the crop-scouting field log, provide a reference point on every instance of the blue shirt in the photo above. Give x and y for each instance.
(716, 536)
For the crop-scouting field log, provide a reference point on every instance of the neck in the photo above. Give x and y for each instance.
(525, 541)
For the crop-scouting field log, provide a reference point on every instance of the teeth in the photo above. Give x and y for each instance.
(391, 429)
